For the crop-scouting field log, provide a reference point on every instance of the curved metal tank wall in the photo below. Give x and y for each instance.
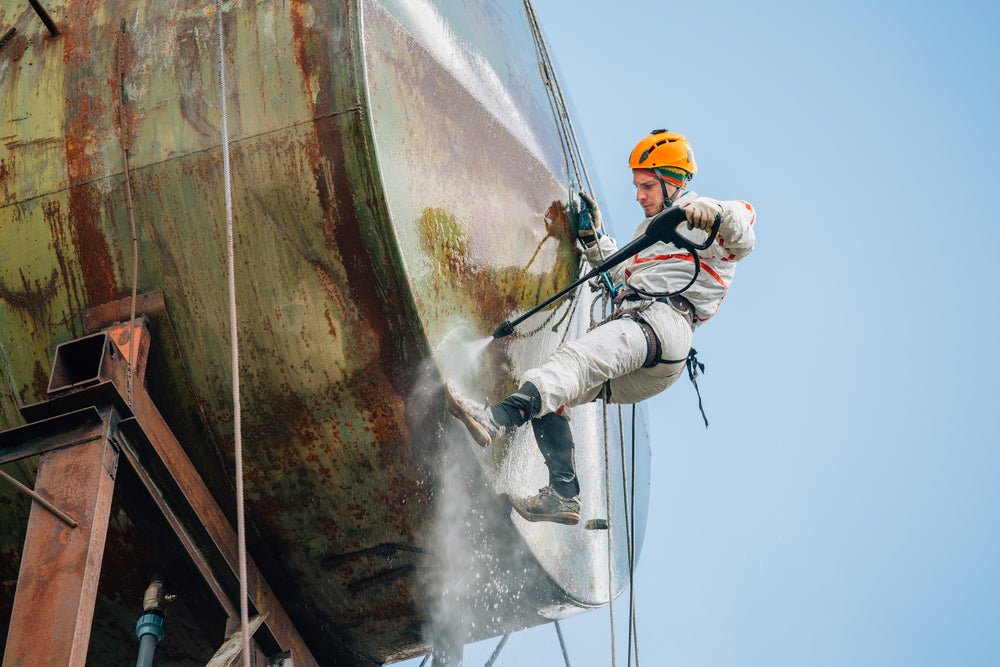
(399, 188)
(452, 99)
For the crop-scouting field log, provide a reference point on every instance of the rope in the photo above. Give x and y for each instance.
(135, 281)
(571, 149)
(635, 626)
(125, 137)
(607, 500)
(567, 137)
(562, 643)
(566, 124)
(496, 651)
(235, 349)
(574, 156)
(629, 529)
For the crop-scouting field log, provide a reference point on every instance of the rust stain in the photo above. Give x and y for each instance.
(302, 45)
(31, 298)
(5, 171)
(40, 377)
(79, 132)
(96, 264)
(344, 234)
(52, 212)
(193, 101)
(80, 144)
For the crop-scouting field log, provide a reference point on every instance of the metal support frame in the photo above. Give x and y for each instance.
(80, 433)
(61, 566)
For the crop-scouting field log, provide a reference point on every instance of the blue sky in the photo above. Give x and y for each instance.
(841, 509)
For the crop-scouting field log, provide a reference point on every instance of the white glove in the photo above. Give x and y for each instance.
(701, 214)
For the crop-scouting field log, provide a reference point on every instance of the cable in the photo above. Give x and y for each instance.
(574, 157)
(135, 280)
(562, 643)
(567, 137)
(565, 123)
(125, 137)
(235, 349)
(496, 651)
(632, 556)
(607, 499)
(630, 531)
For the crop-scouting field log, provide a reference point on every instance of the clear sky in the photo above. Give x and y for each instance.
(842, 507)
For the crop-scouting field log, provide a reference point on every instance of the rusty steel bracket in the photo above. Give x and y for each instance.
(87, 418)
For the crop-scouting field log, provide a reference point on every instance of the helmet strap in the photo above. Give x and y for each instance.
(668, 201)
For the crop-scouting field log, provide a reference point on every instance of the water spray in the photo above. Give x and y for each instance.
(662, 227)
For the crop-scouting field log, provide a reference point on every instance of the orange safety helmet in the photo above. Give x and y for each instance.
(663, 149)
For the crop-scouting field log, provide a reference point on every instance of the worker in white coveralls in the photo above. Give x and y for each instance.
(644, 348)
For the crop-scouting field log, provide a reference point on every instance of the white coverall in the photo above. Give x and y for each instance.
(575, 373)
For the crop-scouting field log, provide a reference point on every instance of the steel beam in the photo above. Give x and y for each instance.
(149, 428)
(61, 566)
(150, 434)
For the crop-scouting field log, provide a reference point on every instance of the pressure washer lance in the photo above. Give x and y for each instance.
(662, 227)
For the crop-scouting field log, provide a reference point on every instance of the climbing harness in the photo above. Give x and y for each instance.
(624, 309)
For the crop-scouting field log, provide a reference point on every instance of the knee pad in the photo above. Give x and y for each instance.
(526, 400)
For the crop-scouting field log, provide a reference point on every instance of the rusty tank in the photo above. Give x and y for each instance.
(402, 181)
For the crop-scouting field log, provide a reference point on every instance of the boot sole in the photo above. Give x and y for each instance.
(478, 433)
(564, 518)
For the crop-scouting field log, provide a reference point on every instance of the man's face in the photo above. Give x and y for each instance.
(648, 192)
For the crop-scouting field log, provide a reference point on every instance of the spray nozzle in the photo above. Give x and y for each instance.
(504, 330)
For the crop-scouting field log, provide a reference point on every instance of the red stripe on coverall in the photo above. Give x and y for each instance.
(684, 256)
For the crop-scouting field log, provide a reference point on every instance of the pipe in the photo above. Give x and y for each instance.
(149, 629)
(44, 15)
(7, 37)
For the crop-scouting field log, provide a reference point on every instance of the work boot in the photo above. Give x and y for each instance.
(548, 505)
(478, 419)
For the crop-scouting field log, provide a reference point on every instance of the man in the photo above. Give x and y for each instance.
(643, 349)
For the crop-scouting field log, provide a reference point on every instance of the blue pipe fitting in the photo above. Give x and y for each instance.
(150, 624)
